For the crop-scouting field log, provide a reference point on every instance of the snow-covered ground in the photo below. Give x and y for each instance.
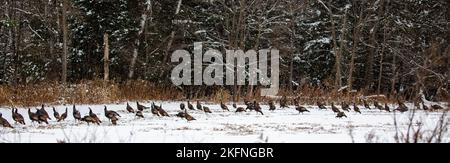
(280, 126)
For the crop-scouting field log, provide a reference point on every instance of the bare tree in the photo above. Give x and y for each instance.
(383, 49)
(338, 50)
(106, 56)
(65, 42)
(356, 39)
(362, 14)
(137, 43)
(172, 34)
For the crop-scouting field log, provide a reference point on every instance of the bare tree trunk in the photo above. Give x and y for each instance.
(420, 75)
(356, 34)
(339, 54)
(291, 65)
(242, 24)
(238, 40)
(137, 41)
(16, 17)
(395, 72)
(291, 72)
(65, 47)
(232, 42)
(9, 46)
(448, 50)
(380, 73)
(172, 35)
(106, 56)
(353, 56)
(383, 49)
(241, 30)
(337, 66)
(368, 75)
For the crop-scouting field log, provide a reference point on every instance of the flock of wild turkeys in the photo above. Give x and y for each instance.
(41, 115)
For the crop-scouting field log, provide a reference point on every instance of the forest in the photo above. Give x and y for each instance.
(94, 51)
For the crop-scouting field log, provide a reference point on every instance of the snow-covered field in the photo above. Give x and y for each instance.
(280, 126)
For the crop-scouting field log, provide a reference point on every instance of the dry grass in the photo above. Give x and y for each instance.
(220, 95)
(97, 92)
(312, 95)
(86, 92)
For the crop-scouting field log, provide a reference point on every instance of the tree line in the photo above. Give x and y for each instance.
(373, 46)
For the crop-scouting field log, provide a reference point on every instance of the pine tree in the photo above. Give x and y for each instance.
(93, 20)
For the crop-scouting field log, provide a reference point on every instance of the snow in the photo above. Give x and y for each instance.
(282, 125)
(342, 88)
(348, 6)
(200, 31)
(314, 24)
(324, 40)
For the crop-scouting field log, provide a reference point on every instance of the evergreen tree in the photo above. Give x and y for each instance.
(93, 20)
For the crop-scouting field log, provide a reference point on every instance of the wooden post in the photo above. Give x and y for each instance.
(106, 56)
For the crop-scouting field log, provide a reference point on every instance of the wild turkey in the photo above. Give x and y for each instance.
(223, 106)
(141, 107)
(238, 109)
(246, 102)
(401, 103)
(76, 114)
(345, 107)
(206, 109)
(139, 114)
(42, 118)
(162, 112)
(257, 108)
(181, 114)
(56, 114)
(321, 106)
(182, 106)
(272, 106)
(378, 106)
(190, 106)
(88, 119)
(94, 116)
(154, 110)
(283, 102)
(4, 122)
(17, 117)
(334, 108)
(33, 116)
(356, 109)
(301, 109)
(250, 106)
(129, 108)
(386, 108)
(114, 120)
(341, 115)
(366, 104)
(43, 115)
(424, 107)
(199, 106)
(436, 107)
(401, 107)
(42, 112)
(63, 116)
(111, 115)
(188, 117)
